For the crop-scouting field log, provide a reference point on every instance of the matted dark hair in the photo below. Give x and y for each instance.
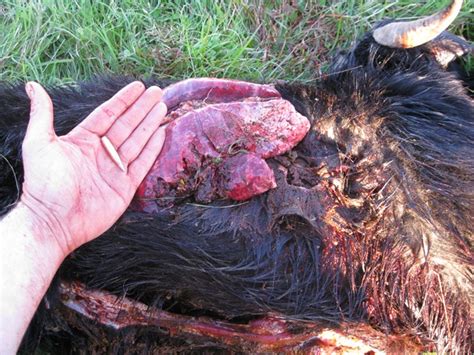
(371, 221)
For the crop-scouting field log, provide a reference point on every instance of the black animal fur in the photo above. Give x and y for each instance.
(371, 220)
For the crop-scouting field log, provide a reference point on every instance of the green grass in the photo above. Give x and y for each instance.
(62, 41)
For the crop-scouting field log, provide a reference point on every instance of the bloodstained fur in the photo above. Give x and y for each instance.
(371, 222)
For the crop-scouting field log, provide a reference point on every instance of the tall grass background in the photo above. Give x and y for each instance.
(62, 41)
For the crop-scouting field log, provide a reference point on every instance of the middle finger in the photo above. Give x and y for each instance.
(124, 126)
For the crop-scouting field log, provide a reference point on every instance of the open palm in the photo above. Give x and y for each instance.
(71, 182)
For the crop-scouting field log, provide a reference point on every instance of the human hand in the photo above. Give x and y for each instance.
(70, 182)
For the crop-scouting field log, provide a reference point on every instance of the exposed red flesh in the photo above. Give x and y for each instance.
(266, 334)
(216, 144)
(247, 175)
(215, 90)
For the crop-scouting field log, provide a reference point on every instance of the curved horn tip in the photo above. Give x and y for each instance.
(409, 34)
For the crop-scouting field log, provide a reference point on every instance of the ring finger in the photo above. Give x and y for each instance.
(135, 143)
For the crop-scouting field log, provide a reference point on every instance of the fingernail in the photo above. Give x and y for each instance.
(163, 106)
(162, 110)
(154, 87)
(29, 89)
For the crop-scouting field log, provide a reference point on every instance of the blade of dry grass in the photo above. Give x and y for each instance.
(62, 41)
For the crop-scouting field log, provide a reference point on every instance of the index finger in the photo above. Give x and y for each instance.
(102, 118)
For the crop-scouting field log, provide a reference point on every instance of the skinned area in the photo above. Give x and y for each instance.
(219, 134)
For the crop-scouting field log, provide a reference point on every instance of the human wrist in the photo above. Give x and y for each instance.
(29, 259)
(44, 228)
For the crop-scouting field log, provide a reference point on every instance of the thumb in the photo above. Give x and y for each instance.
(41, 124)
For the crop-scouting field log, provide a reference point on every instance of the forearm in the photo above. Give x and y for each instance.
(29, 258)
(72, 192)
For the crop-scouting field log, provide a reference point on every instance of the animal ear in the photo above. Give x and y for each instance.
(409, 34)
(447, 47)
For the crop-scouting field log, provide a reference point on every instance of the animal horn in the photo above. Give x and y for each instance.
(410, 34)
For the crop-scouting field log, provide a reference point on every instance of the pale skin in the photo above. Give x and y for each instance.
(72, 193)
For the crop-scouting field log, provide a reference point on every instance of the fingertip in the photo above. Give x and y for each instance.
(158, 113)
(143, 163)
(163, 106)
(159, 139)
(162, 132)
(155, 87)
(29, 88)
(138, 85)
(33, 89)
(40, 124)
(40, 101)
(156, 91)
(162, 109)
(133, 90)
